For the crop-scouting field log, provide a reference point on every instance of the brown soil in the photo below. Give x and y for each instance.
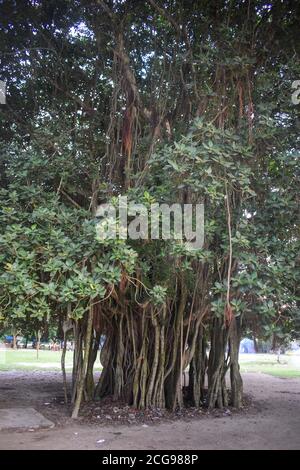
(271, 420)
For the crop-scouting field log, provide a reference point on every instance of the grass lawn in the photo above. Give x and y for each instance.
(26, 359)
(22, 359)
(267, 364)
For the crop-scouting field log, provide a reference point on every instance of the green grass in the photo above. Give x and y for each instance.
(289, 366)
(22, 359)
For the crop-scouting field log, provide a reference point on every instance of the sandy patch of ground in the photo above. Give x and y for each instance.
(274, 422)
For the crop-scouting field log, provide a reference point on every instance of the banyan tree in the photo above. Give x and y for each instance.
(164, 102)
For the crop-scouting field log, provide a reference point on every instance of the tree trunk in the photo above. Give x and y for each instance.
(90, 385)
(88, 336)
(63, 368)
(217, 393)
(197, 370)
(235, 376)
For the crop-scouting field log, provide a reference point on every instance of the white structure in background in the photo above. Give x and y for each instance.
(247, 346)
(295, 346)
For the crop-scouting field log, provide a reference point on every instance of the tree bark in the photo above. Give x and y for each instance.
(88, 336)
(235, 376)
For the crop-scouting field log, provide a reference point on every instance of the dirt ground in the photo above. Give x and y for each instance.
(272, 422)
